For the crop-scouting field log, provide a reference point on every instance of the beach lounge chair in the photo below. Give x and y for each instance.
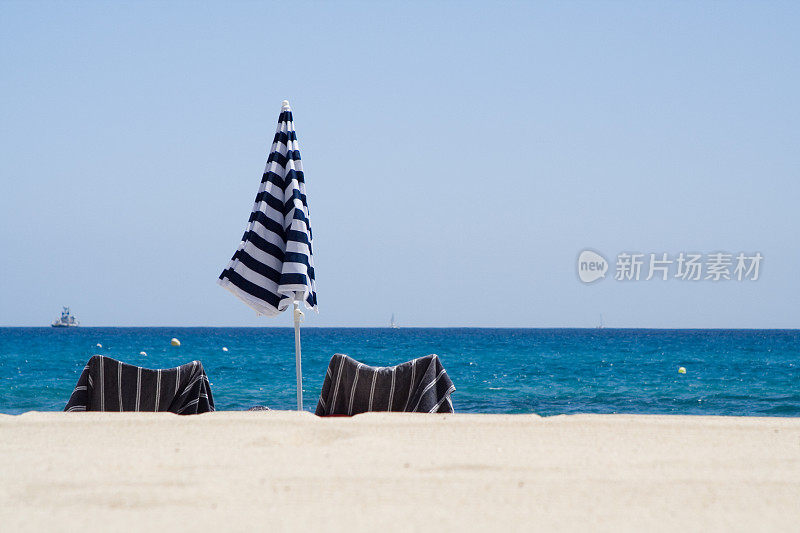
(110, 385)
(350, 387)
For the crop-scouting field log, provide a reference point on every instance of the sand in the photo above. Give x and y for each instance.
(245, 471)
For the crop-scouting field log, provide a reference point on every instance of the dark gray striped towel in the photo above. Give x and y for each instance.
(350, 387)
(110, 385)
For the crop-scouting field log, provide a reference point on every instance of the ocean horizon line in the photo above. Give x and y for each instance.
(590, 328)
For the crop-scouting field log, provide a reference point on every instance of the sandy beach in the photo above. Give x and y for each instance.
(244, 471)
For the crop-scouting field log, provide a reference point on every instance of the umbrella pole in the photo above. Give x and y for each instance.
(298, 315)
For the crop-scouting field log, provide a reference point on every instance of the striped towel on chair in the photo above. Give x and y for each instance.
(110, 385)
(350, 387)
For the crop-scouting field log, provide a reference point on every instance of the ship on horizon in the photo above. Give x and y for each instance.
(67, 320)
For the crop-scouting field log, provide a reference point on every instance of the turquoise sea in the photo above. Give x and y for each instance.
(543, 371)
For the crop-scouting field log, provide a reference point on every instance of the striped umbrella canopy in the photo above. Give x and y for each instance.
(273, 267)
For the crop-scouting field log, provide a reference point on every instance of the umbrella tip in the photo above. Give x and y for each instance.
(285, 105)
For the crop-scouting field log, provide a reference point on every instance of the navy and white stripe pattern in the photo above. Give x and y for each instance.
(350, 387)
(274, 263)
(110, 385)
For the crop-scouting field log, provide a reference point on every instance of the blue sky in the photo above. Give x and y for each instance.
(458, 156)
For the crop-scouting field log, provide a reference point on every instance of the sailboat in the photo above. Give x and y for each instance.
(393, 324)
(600, 325)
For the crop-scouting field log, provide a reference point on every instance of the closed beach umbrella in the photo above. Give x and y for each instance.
(273, 267)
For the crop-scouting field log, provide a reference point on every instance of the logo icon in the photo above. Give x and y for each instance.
(591, 266)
